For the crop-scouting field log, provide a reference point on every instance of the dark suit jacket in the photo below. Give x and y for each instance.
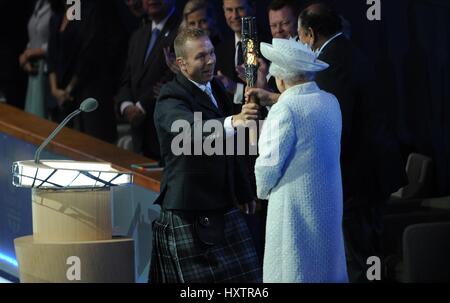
(139, 79)
(225, 54)
(371, 163)
(197, 182)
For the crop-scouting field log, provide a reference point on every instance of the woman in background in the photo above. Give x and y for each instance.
(33, 59)
(200, 14)
(85, 58)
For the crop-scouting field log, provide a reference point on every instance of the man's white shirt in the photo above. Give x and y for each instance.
(227, 125)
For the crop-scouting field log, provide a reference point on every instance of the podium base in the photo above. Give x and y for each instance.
(71, 215)
(108, 261)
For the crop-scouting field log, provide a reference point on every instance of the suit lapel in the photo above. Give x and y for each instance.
(230, 66)
(225, 105)
(143, 49)
(204, 101)
(330, 48)
(200, 97)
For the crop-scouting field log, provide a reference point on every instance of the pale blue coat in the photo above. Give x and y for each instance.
(298, 171)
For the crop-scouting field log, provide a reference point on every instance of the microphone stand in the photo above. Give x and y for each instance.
(37, 155)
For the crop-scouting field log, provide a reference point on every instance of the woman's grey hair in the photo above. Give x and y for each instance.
(290, 76)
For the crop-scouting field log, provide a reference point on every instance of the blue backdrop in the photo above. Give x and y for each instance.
(15, 203)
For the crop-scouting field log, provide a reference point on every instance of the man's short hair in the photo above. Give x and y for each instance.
(183, 36)
(322, 19)
(276, 5)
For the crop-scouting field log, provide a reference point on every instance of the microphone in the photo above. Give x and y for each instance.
(87, 106)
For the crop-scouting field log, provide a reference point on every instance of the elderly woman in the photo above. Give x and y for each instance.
(298, 171)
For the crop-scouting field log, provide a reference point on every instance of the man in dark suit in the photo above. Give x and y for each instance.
(283, 15)
(229, 56)
(145, 72)
(201, 236)
(371, 164)
(229, 52)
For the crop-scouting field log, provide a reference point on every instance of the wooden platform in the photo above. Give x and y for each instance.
(74, 145)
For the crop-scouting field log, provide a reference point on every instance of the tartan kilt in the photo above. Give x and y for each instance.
(180, 257)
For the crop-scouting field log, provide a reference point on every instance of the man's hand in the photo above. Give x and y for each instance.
(264, 97)
(134, 115)
(263, 71)
(171, 60)
(249, 112)
(229, 84)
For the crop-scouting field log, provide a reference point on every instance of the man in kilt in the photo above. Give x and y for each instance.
(201, 236)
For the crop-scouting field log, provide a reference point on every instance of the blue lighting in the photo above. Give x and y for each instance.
(9, 260)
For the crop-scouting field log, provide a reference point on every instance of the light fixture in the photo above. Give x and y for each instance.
(59, 174)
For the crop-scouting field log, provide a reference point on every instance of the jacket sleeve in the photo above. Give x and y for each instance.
(125, 93)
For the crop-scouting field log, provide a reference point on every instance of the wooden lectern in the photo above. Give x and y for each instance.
(72, 232)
